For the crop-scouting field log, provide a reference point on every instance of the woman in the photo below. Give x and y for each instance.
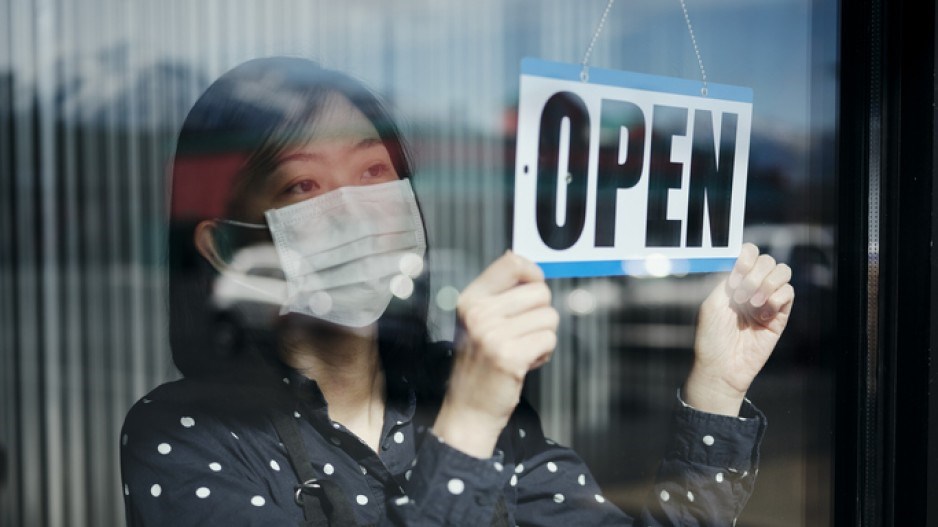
(344, 413)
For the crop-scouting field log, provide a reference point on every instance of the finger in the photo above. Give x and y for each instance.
(780, 301)
(533, 321)
(534, 349)
(776, 279)
(518, 341)
(518, 299)
(493, 334)
(747, 258)
(507, 271)
(751, 281)
(546, 340)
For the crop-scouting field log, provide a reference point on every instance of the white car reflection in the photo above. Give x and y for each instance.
(661, 312)
(247, 297)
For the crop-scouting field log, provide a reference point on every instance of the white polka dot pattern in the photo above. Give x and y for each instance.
(455, 486)
(187, 459)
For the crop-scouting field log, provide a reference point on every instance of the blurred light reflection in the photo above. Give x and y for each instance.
(447, 297)
(402, 286)
(581, 302)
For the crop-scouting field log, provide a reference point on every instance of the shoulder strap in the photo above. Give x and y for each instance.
(323, 501)
(324, 504)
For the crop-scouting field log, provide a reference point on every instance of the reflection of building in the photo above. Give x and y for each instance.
(89, 110)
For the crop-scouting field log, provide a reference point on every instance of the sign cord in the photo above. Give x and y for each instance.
(584, 72)
(693, 40)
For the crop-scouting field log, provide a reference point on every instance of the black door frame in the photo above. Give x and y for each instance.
(883, 452)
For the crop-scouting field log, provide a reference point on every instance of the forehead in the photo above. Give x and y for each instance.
(340, 120)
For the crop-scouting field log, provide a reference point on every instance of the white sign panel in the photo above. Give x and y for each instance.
(628, 173)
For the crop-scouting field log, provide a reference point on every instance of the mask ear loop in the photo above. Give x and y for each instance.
(281, 300)
(244, 224)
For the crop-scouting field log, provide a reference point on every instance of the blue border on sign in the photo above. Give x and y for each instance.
(618, 267)
(628, 79)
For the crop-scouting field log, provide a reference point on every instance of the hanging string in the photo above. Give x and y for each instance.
(693, 40)
(584, 71)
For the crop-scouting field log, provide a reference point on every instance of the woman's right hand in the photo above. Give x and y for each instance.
(507, 327)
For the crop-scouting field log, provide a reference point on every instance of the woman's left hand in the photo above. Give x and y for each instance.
(738, 327)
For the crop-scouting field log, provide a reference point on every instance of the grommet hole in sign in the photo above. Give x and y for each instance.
(621, 166)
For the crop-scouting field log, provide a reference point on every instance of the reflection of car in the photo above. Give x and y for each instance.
(247, 297)
(808, 249)
(661, 312)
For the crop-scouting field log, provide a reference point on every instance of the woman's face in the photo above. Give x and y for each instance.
(344, 149)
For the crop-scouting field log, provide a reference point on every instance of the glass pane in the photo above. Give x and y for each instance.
(92, 100)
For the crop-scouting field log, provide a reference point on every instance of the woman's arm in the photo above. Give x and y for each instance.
(738, 328)
(507, 328)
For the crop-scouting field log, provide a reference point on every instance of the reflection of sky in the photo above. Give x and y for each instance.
(449, 61)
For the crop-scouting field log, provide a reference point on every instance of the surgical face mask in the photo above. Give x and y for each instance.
(346, 253)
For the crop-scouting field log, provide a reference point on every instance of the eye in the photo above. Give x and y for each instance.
(301, 187)
(377, 171)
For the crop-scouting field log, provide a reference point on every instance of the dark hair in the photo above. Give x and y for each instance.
(235, 132)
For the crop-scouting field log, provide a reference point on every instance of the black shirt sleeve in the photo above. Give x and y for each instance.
(705, 478)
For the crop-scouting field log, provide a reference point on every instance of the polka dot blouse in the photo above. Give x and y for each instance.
(190, 457)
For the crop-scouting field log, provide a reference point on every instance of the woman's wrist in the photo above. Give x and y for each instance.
(468, 431)
(711, 395)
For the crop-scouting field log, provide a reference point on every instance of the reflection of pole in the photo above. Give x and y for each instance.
(387, 59)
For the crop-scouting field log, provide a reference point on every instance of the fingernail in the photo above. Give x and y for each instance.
(757, 299)
(740, 296)
(766, 314)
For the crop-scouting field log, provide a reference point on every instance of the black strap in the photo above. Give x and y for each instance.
(500, 518)
(323, 501)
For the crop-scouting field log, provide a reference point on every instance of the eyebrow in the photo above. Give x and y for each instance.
(302, 155)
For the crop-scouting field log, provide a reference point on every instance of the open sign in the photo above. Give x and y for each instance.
(625, 169)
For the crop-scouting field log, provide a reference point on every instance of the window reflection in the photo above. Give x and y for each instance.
(91, 98)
